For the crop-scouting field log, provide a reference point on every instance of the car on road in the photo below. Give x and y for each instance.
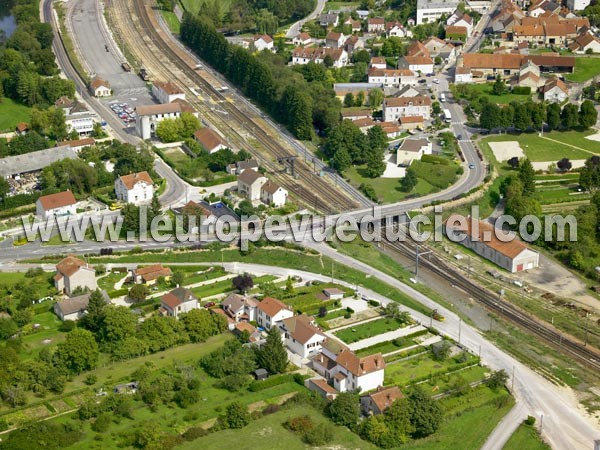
(459, 137)
(209, 305)
(436, 81)
(471, 166)
(422, 80)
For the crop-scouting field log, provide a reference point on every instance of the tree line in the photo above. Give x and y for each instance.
(266, 79)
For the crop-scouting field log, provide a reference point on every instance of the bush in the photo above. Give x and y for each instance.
(260, 385)
(521, 90)
(102, 423)
(319, 435)
(91, 379)
(299, 423)
(34, 272)
(435, 160)
(373, 303)
(530, 421)
(194, 433)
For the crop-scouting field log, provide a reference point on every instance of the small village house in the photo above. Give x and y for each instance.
(73, 273)
(59, 204)
(179, 301)
(135, 188)
(271, 311)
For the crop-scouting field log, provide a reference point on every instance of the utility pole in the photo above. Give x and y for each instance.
(469, 271)
(459, 329)
(418, 254)
(541, 423)
(512, 383)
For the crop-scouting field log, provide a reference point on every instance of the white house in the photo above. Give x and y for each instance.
(238, 167)
(432, 10)
(271, 311)
(149, 116)
(392, 77)
(301, 335)
(166, 92)
(249, 184)
(423, 64)
(77, 144)
(100, 88)
(273, 194)
(378, 62)
(585, 43)
(376, 25)
(135, 188)
(73, 273)
(459, 19)
(178, 301)
(396, 29)
(335, 40)
(302, 55)
(333, 293)
(492, 243)
(395, 108)
(463, 75)
(411, 150)
(380, 400)
(329, 19)
(302, 40)
(75, 308)
(262, 42)
(578, 5)
(83, 122)
(209, 140)
(59, 204)
(555, 91)
(240, 307)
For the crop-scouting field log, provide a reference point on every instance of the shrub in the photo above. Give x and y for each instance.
(271, 409)
(260, 385)
(373, 303)
(319, 435)
(34, 272)
(299, 423)
(194, 433)
(347, 315)
(435, 160)
(521, 90)
(102, 423)
(67, 326)
(530, 421)
(91, 379)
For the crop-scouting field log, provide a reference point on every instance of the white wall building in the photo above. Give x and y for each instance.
(135, 188)
(166, 92)
(250, 183)
(83, 123)
(395, 108)
(149, 116)
(273, 194)
(178, 301)
(271, 311)
(59, 204)
(301, 335)
(71, 273)
(432, 10)
(392, 77)
(578, 5)
(412, 149)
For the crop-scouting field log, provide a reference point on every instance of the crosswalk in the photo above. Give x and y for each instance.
(457, 123)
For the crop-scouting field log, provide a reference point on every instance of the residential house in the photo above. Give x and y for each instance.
(530, 80)
(352, 373)
(543, 7)
(412, 149)
(459, 19)
(353, 24)
(302, 40)
(149, 275)
(320, 386)
(335, 40)
(378, 62)
(271, 311)
(391, 129)
(166, 92)
(377, 402)
(417, 48)
(497, 246)
(353, 44)
(376, 25)
(422, 64)
(253, 334)
(555, 91)
(396, 29)
(59, 204)
(507, 65)
(585, 43)
(392, 77)
(73, 273)
(354, 114)
(333, 293)
(329, 19)
(210, 140)
(578, 5)
(457, 34)
(100, 87)
(148, 117)
(411, 22)
(407, 91)
(408, 123)
(238, 167)
(240, 308)
(77, 144)
(75, 308)
(273, 194)
(301, 335)
(249, 184)
(429, 11)
(395, 108)
(135, 188)
(179, 301)
(463, 75)
(263, 42)
(302, 55)
(437, 47)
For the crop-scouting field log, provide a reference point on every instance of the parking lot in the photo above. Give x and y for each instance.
(124, 111)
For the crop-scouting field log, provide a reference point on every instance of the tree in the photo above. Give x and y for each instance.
(230, 359)
(375, 165)
(426, 415)
(169, 130)
(272, 356)
(350, 142)
(514, 162)
(553, 116)
(375, 98)
(243, 282)
(118, 324)
(138, 292)
(522, 116)
(569, 116)
(8, 328)
(345, 409)
(576, 260)
(349, 100)
(397, 417)
(409, 181)
(328, 60)
(499, 87)
(189, 124)
(200, 324)
(95, 312)
(587, 114)
(441, 350)
(178, 278)
(360, 98)
(527, 177)
(78, 352)
(589, 175)
(289, 286)
(497, 379)
(564, 165)
(490, 116)
(236, 416)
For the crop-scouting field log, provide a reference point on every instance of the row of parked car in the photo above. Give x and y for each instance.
(125, 112)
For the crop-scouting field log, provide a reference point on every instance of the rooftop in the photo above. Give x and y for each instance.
(34, 161)
(134, 178)
(57, 200)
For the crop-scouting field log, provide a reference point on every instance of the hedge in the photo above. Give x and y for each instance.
(435, 160)
(19, 200)
(276, 380)
(118, 293)
(521, 90)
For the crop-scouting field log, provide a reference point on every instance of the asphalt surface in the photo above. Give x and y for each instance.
(297, 26)
(176, 189)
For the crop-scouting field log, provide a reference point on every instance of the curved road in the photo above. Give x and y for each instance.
(297, 26)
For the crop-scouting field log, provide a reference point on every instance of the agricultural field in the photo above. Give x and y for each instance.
(368, 329)
(11, 113)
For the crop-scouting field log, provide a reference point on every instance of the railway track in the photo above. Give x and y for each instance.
(585, 354)
(312, 190)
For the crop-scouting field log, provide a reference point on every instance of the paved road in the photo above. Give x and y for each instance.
(505, 428)
(296, 27)
(176, 188)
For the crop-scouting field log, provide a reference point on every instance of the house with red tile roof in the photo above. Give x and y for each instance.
(271, 311)
(135, 188)
(71, 273)
(179, 301)
(59, 204)
(380, 400)
(301, 335)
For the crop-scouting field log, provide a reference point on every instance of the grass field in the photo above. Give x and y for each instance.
(436, 175)
(367, 330)
(387, 189)
(193, 6)
(172, 21)
(504, 99)
(526, 437)
(391, 346)
(585, 68)
(540, 149)
(11, 113)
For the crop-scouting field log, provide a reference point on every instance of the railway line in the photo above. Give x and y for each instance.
(147, 39)
(586, 355)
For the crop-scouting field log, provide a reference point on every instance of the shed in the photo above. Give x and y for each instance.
(261, 374)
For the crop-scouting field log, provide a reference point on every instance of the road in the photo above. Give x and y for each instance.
(297, 26)
(176, 187)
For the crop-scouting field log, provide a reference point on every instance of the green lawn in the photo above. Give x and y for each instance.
(525, 438)
(305, 298)
(11, 114)
(540, 149)
(367, 330)
(335, 6)
(172, 21)
(193, 6)
(560, 194)
(504, 99)
(585, 68)
(387, 189)
(577, 139)
(391, 346)
(437, 175)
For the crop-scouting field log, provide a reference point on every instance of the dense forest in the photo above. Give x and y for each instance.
(282, 91)
(28, 72)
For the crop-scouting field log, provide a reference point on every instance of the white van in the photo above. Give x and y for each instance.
(442, 97)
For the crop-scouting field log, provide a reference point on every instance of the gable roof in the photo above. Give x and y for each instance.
(99, 82)
(234, 302)
(57, 200)
(454, 29)
(270, 187)
(153, 272)
(376, 21)
(77, 143)
(333, 36)
(177, 297)
(555, 82)
(417, 49)
(418, 60)
(301, 329)
(168, 87)
(271, 306)
(129, 181)
(250, 176)
(151, 110)
(421, 100)
(208, 138)
(384, 397)
(264, 37)
(413, 145)
(70, 265)
(76, 304)
(303, 37)
(360, 366)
